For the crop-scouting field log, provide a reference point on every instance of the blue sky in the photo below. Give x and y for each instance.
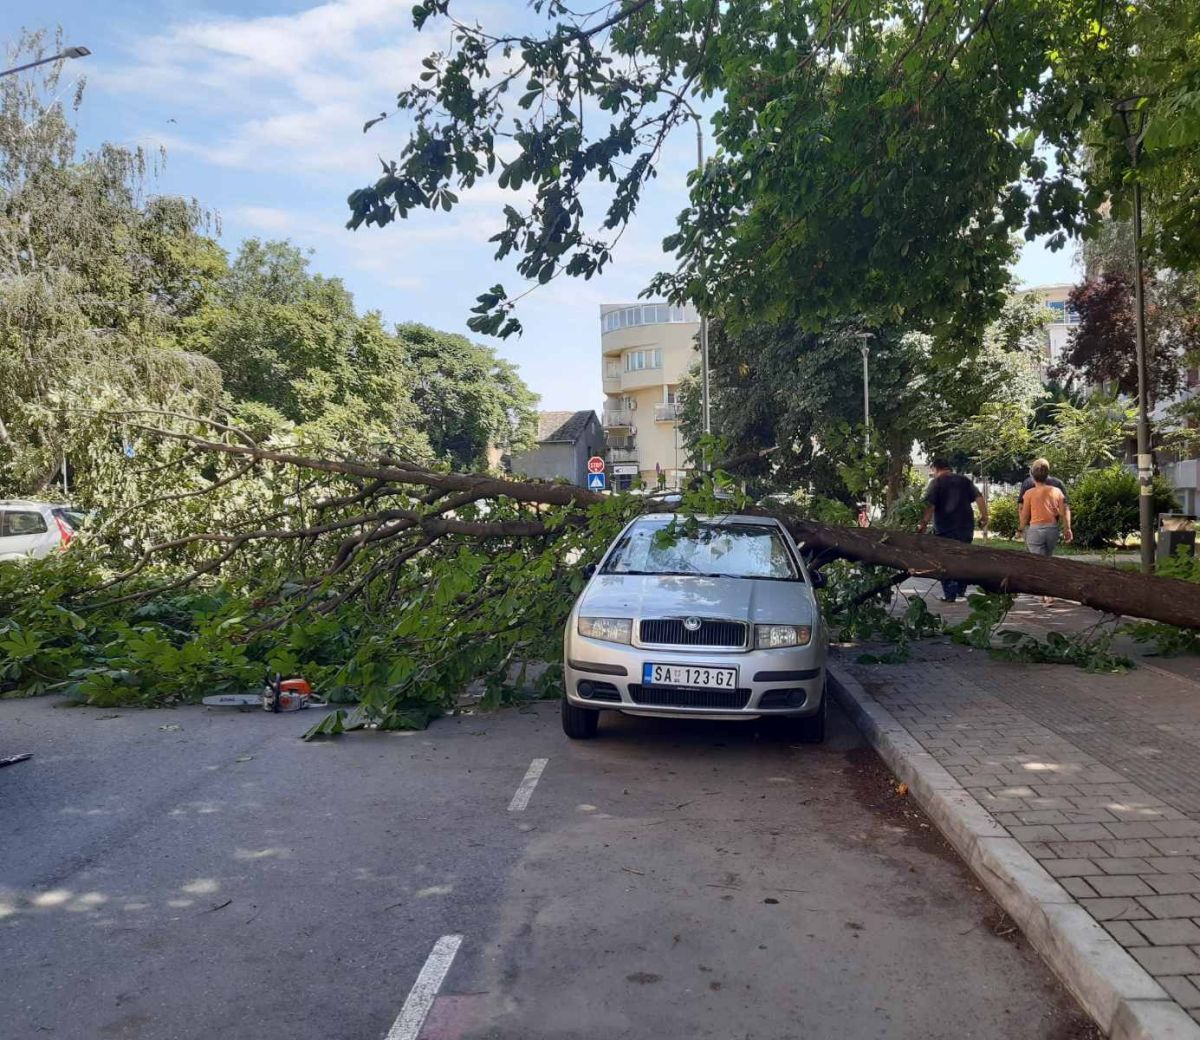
(259, 105)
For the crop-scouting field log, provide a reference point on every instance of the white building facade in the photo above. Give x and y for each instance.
(646, 350)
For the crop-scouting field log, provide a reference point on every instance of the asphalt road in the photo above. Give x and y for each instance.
(197, 873)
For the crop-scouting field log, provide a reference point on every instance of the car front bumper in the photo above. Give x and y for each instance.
(787, 682)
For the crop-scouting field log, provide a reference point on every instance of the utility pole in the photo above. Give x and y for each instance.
(68, 52)
(1133, 120)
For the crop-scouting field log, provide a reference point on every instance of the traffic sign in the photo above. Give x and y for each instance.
(595, 464)
(595, 481)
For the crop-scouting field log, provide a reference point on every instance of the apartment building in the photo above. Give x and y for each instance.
(1063, 318)
(646, 350)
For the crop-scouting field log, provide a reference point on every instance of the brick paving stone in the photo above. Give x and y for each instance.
(1077, 850)
(1175, 864)
(1052, 816)
(1178, 828)
(1124, 866)
(1070, 867)
(1167, 960)
(1080, 889)
(1087, 832)
(1173, 884)
(1125, 933)
(1097, 816)
(1120, 885)
(1126, 847)
(1172, 906)
(1041, 832)
(1177, 931)
(1135, 829)
(1038, 850)
(1182, 990)
(1116, 909)
(1176, 846)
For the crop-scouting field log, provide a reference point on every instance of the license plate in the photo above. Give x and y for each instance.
(702, 676)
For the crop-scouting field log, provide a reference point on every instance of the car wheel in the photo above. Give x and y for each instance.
(579, 723)
(812, 729)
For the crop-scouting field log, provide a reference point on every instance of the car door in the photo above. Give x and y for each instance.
(24, 532)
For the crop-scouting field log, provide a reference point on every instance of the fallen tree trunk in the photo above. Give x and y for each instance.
(1106, 589)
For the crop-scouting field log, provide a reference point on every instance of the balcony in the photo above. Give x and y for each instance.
(618, 418)
(666, 412)
(619, 455)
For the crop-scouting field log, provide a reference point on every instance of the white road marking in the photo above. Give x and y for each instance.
(425, 990)
(525, 791)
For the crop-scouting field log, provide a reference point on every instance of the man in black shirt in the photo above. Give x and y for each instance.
(1029, 482)
(948, 500)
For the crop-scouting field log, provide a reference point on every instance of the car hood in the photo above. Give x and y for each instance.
(737, 599)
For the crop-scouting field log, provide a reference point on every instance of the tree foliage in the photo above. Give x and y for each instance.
(872, 159)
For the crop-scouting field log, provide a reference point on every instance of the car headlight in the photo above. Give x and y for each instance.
(610, 629)
(772, 637)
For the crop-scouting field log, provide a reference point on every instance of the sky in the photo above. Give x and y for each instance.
(259, 107)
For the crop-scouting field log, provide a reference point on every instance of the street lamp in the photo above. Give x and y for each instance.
(1133, 121)
(68, 52)
(705, 406)
(864, 345)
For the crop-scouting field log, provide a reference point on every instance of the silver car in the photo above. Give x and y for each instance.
(713, 617)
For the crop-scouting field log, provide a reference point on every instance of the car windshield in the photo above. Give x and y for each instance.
(718, 550)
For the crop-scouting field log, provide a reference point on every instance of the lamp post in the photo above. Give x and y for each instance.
(705, 404)
(67, 52)
(864, 345)
(1133, 121)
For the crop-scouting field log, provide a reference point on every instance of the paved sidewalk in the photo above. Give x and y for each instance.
(1097, 777)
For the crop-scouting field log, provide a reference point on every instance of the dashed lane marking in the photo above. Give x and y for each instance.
(521, 799)
(425, 990)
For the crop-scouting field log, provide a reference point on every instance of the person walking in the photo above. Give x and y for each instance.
(1043, 508)
(1029, 482)
(948, 502)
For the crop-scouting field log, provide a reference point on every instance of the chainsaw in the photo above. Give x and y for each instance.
(278, 695)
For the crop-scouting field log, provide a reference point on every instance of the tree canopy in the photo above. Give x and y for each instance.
(872, 158)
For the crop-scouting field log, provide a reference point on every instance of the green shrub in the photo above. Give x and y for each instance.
(1104, 505)
(1004, 516)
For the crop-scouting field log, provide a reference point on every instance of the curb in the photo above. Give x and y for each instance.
(1117, 992)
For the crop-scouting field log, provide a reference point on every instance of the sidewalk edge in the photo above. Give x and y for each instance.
(1116, 991)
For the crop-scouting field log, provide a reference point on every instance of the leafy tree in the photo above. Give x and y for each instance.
(94, 280)
(871, 159)
(471, 401)
(1082, 437)
(1103, 349)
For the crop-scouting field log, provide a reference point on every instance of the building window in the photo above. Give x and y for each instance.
(637, 360)
(646, 314)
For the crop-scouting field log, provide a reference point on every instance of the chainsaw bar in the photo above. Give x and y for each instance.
(234, 700)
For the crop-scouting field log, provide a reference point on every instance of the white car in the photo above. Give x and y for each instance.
(718, 619)
(35, 529)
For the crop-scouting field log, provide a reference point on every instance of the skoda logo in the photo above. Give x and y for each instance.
(692, 624)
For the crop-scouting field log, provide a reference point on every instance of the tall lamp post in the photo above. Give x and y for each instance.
(66, 52)
(705, 404)
(864, 345)
(1133, 121)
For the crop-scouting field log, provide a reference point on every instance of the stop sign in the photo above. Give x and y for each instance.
(595, 464)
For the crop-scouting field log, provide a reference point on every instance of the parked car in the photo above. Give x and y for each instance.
(718, 619)
(35, 529)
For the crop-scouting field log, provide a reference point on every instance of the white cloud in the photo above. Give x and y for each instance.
(287, 89)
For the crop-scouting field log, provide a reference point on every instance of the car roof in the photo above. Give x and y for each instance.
(725, 518)
(25, 503)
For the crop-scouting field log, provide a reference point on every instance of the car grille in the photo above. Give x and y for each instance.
(684, 697)
(671, 632)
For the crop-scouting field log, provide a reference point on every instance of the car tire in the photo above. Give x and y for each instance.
(579, 723)
(812, 729)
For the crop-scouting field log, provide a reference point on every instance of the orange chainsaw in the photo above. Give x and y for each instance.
(278, 695)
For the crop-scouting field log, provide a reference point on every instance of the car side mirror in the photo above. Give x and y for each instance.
(818, 579)
(589, 570)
